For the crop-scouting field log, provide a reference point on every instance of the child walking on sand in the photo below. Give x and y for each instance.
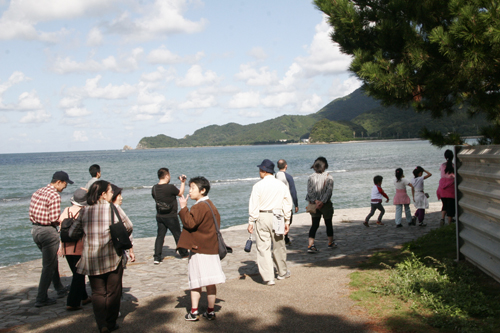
(419, 197)
(376, 202)
(401, 198)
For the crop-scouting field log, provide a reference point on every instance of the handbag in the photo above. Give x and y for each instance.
(223, 248)
(311, 208)
(161, 207)
(248, 244)
(119, 233)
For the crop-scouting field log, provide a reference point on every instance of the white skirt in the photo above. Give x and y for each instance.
(421, 201)
(204, 270)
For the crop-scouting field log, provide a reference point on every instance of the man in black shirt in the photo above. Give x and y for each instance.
(166, 216)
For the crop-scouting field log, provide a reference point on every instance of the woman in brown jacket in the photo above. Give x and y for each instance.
(200, 237)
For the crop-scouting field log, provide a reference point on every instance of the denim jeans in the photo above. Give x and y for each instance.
(47, 240)
(164, 224)
(399, 213)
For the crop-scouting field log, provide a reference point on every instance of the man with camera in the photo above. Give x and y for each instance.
(165, 195)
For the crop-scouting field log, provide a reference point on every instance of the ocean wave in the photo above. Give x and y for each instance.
(234, 180)
(11, 199)
(337, 171)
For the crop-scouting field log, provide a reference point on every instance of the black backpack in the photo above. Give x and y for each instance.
(66, 225)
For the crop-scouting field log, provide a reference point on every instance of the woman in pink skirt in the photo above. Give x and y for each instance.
(401, 198)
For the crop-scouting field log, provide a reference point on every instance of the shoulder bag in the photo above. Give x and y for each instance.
(161, 207)
(223, 248)
(119, 233)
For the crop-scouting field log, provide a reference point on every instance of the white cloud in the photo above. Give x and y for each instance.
(149, 104)
(29, 101)
(73, 101)
(198, 101)
(311, 104)
(342, 88)
(40, 116)
(77, 112)
(196, 77)
(258, 53)
(26, 100)
(80, 136)
(163, 18)
(20, 19)
(108, 92)
(125, 63)
(164, 56)
(279, 100)
(15, 78)
(3, 120)
(250, 114)
(252, 77)
(94, 38)
(324, 57)
(167, 117)
(242, 100)
(160, 74)
(291, 76)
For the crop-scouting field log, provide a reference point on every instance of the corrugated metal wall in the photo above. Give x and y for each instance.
(478, 206)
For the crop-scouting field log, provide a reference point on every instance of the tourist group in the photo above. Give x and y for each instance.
(95, 235)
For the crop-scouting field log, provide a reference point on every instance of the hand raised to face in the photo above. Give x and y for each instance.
(183, 201)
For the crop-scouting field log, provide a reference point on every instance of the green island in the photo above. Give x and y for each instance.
(353, 117)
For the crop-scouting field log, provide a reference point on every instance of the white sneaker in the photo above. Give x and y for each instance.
(270, 283)
(286, 276)
(156, 262)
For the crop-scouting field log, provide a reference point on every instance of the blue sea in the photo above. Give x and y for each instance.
(232, 172)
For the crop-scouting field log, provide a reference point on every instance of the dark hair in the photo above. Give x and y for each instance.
(201, 183)
(448, 154)
(116, 192)
(281, 164)
(377, 179)
(399, 174)
(94, 169)
(162, 172)
(96, 190)
(320, 165)
(418, 170)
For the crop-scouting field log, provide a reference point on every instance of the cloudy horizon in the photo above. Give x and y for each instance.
(101, 74)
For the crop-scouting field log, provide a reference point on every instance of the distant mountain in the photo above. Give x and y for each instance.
(282, 129)
(348, 107)
(355, 116)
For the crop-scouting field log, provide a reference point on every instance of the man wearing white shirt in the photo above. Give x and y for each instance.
(270, 197)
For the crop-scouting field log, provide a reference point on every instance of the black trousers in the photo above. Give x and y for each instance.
(106, 296)
(77, 291)
(164, 224)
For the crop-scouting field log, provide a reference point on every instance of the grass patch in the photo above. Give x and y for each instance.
(420, 288)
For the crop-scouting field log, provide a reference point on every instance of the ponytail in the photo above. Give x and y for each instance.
(448, 154)
(399, 174)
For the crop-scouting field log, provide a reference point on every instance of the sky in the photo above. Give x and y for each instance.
(101, 74)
